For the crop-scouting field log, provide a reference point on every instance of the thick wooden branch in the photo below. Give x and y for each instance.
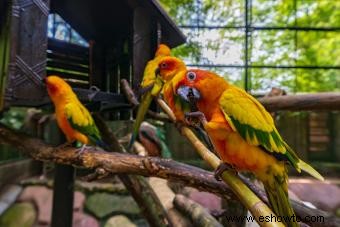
(113, 162)
(318, 101)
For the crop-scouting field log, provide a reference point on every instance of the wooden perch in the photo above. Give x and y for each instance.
(113, 162)
(319, 101)
(199, 216)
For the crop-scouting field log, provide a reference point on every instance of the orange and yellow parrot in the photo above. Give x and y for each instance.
(243, 133)
(151, 86)
(73, 118)
(168, 69)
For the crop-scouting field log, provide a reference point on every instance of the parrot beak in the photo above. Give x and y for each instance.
(188, 93)
(158, 72)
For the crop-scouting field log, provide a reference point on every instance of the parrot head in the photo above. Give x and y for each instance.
(169, 67)
(200, 84)
(57, 88)
(163, 50)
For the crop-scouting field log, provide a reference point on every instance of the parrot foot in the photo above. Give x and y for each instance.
(224, 167)
(191, 116)
(81, 150)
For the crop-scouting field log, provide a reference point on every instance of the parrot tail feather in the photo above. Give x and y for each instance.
(276, 190)
(132, 140)
(309, 169)
(143, 108)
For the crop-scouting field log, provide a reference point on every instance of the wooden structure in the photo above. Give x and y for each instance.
(122, 36)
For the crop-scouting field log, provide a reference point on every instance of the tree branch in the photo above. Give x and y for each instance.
(138, 186)
(113, 162)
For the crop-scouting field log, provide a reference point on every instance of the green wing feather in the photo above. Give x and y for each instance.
(81, 120)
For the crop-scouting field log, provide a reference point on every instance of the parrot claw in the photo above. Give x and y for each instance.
(190, 116)
(81, 150)
(224, 167)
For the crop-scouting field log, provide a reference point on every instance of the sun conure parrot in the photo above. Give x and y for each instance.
(243, 133)
(151, 86)
(73, 118)
(168, 69)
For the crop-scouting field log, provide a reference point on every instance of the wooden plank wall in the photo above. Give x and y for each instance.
(69, 61)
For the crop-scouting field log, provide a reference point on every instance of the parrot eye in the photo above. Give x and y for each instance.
(191, 76)
(164, 65)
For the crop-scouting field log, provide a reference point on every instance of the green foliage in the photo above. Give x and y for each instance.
(14, 118)
(269, 47)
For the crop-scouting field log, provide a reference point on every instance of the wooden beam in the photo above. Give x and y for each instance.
(141, 43)
(11, 172)
(316, 101)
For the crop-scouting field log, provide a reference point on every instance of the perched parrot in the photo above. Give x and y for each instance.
(73, 118)
(243, 133)
(153, 139)
(151, 86)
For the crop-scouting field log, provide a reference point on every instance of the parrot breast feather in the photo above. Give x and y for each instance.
(250, 119)
(80, 119)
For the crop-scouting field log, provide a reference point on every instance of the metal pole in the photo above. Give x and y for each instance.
(246, 51)
(62, 211)
(64, 176)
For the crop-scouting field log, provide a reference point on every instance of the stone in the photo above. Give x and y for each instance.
(323, 195)
(206, 199)
(20, 214)
(118, 221)
(79, 201)
(42, 197)
(83, 220)
(103, 204)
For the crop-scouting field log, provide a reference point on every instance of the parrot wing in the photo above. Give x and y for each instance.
(81, 120)
(250, 119)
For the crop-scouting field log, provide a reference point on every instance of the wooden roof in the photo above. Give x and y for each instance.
(107, 20)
